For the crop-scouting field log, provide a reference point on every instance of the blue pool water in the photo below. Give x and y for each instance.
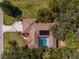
(42, 41)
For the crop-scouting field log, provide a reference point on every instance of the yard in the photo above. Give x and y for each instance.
(64, 31)
(10, 36)
(28, 7)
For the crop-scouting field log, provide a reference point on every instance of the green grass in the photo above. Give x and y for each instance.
(8, 20)
(9, 36)
(29, 9)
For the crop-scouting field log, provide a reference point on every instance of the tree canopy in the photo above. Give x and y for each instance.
(26, 53)
(11, 10)
(66, 16)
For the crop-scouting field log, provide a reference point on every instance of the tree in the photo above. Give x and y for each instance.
(67, 17)
(10, 9)
(67, 21)
(64, 53)
(44, 15)
(73, 40)
(46, 55)
(27, 53)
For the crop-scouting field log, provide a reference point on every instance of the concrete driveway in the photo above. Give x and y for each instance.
(17, 26)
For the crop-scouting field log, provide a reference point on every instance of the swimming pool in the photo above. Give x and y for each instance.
(43, 41)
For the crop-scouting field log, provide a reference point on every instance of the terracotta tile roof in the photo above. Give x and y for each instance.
(27, 23)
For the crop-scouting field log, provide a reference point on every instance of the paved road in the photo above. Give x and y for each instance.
(1, 33)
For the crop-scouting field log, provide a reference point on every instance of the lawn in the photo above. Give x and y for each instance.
(29, 9)
(9, 36)
(8, 20)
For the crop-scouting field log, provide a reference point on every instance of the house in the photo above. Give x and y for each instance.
(37, 34)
